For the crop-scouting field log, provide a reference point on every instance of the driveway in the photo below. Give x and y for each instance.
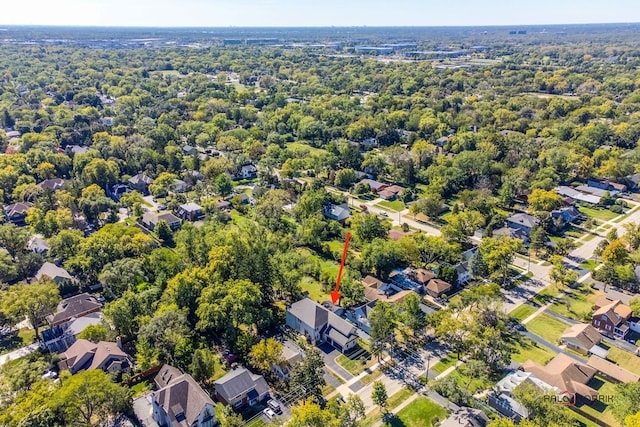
(16, 354)
(143, 409)
(330, 353)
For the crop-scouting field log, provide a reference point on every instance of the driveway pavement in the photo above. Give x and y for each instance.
(21, 352)
(143, 409)
(330, 353)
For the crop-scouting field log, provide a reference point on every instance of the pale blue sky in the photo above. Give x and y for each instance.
(223, 13)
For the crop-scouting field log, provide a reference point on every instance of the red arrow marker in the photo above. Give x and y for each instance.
(335, 295)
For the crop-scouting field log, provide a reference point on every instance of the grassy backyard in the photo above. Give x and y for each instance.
(603, 214)
(577, 303)
(547, 327)
(419, 413)
(529, 349)
(600, 409)
(395, 205)
(625, 359)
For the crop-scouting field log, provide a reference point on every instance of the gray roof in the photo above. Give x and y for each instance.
(75, 306)
(338, 338)
(524, 219)
(310, 313)
(52, 271)
(238, 382)
(165, 375)
(570, 192)
(183, 395)
(52, 184)
(337, 212)
(191, 207)
(599, 192)
(140, 178)
(19, 208)
(339, 324)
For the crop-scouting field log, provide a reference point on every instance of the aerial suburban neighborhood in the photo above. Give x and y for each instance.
(373, 227)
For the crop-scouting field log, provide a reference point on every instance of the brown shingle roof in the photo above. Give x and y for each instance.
(422, 275)
(587, 335)
(76, 306)
(183, 396)
(565, 373)
(615, 307)
(612, 370)
(438, 285)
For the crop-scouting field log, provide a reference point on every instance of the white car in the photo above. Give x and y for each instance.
(269, 413)
(383, 213)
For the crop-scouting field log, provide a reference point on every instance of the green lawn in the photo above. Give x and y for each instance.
(393, 401)
(356, 366)
(589, 237)
(600, 409)
(546, 295)
(335, 246)
(590, 264)
(369, 378)
(577, 303)
(575, 233)
(547, 327)
(603, 214)
(142, 388)
(625, 359)
(445, 363)
(419, 413)
(529, 349)
(314, 289)
(395, 205)
(522, 312)
(12, 342)
(300, 147)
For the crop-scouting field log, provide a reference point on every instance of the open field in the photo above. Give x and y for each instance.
(577, 303)
(603, 214)
(547, 327)
(419, 413)
(529, 349)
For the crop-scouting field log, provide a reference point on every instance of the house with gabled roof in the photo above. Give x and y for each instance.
(611, 371)
(338, 213)
(180, 401)
(317, 324)
(140, 183)
(566, 374)
(85, 355)
(75, 307)
(241, 387)
(17, 212)
(611, 319)
(438, 287)
(582, 338)
(53, 272)
(53, 184)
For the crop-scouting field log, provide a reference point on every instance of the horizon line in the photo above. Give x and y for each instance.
(4, 26)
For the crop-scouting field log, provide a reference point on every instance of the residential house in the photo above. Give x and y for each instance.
(59, 338)
(17, 212)
(77, 149)
(53, 272)
(54, 184)
(73, 308)
(566, 374)
(582, 338)
(290, 358)
(246, 171)
(85, 355)
(396, 235)
(438, 287)
(594, 191)
(180, 401)
(150, 219)
(611, 371)
(241, 387)
(189, 150)
(412, 279)
(611, 319)
(116, 191)
(38, 245)
(633, 181)
(566, 215)
(605, 184)
(464, 275)
(140, 183)
(502, 397)
(577, 195)
(376, 290)
(317, 324)
(338, 213)
(375, 186)
(190, 212)
(391, 192)
(180, 186)
(466, 417)
(360, 315)
(522, 221)
(516, 233)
